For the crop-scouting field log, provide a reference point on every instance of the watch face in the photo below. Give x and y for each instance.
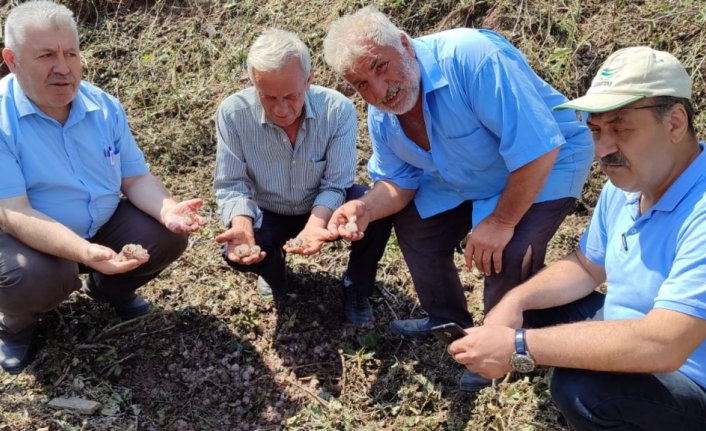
(522, 363)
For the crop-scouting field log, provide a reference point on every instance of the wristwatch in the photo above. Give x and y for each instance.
(521, 361)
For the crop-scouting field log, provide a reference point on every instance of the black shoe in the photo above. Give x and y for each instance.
(413, 328)
(18, 350)
(473, 382)
(358, 310)
(132, 308)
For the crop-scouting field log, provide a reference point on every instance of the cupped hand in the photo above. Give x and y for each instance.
(236, 236)
(103, 260)
(183, 217)
(313, 238)
(351, 214)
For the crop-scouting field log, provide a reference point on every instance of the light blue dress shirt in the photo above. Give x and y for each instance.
(656, 259)
(487, 114)
(71, 173)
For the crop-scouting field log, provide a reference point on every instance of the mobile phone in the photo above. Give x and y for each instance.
(448, 332)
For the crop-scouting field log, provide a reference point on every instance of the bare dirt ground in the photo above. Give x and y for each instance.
(217, 357)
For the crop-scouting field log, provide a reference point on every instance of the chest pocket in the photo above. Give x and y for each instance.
(313, 173)
(476, 151)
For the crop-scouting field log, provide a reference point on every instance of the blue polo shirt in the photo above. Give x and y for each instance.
(71, 173)
(486, 114)
(657, 259)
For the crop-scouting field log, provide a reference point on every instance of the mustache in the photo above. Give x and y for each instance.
(56, 78)
(391, 92)
(613, 159)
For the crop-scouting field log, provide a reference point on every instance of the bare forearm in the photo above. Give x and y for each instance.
(148, 194)
(43, 233)
(652, 344)
(320, 215)
(563, 282)
(523, 187)
(386, 199)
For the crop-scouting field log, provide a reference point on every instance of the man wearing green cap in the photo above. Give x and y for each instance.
(634, 358)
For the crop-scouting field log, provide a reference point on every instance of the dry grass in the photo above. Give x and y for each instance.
(216, 357)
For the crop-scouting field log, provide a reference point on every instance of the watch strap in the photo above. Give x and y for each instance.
(520, 344)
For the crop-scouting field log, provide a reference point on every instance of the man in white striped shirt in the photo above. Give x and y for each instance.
(285, 161)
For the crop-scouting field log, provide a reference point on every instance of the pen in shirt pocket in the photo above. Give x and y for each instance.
(108, 152)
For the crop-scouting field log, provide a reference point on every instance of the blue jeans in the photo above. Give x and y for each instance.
(595, 400)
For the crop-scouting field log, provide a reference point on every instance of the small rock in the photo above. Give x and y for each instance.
(298, 242)
(131, 251)
(242, 250)
(351, 227)
(80, 405)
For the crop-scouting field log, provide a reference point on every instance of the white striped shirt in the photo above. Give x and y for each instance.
(258, 168)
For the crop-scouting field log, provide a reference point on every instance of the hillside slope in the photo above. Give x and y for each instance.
(217, 357)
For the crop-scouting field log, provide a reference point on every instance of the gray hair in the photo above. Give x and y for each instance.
(664, 104)
(349, 37)
(273, 48)
(36, 12)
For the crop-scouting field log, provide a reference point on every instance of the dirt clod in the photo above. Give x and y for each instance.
(131, 251)
(299, 242)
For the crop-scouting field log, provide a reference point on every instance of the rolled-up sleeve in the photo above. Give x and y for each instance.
(132, 160)
(384, 164)
(518, 116)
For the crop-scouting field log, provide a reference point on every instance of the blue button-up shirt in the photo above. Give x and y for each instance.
(71, 173)
(487, 114)
(656, 259)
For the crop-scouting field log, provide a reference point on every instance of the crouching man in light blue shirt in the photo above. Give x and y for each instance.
(66, 155)
(463, 135)
(641, 362)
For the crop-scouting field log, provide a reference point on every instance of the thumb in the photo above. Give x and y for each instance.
(223, 237)
(194, 204)
(97, 253)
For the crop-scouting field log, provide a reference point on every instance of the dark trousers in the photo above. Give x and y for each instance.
(276, 229)
(596, 400)
(33, 283)
(428, 246)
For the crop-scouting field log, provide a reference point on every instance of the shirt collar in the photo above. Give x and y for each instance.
(22, 103)
(79, 106)
(432, 78)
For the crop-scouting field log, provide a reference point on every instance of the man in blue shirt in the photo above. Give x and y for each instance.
(641, 362)
(462, 134)
(285, 161)
(66, 155)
